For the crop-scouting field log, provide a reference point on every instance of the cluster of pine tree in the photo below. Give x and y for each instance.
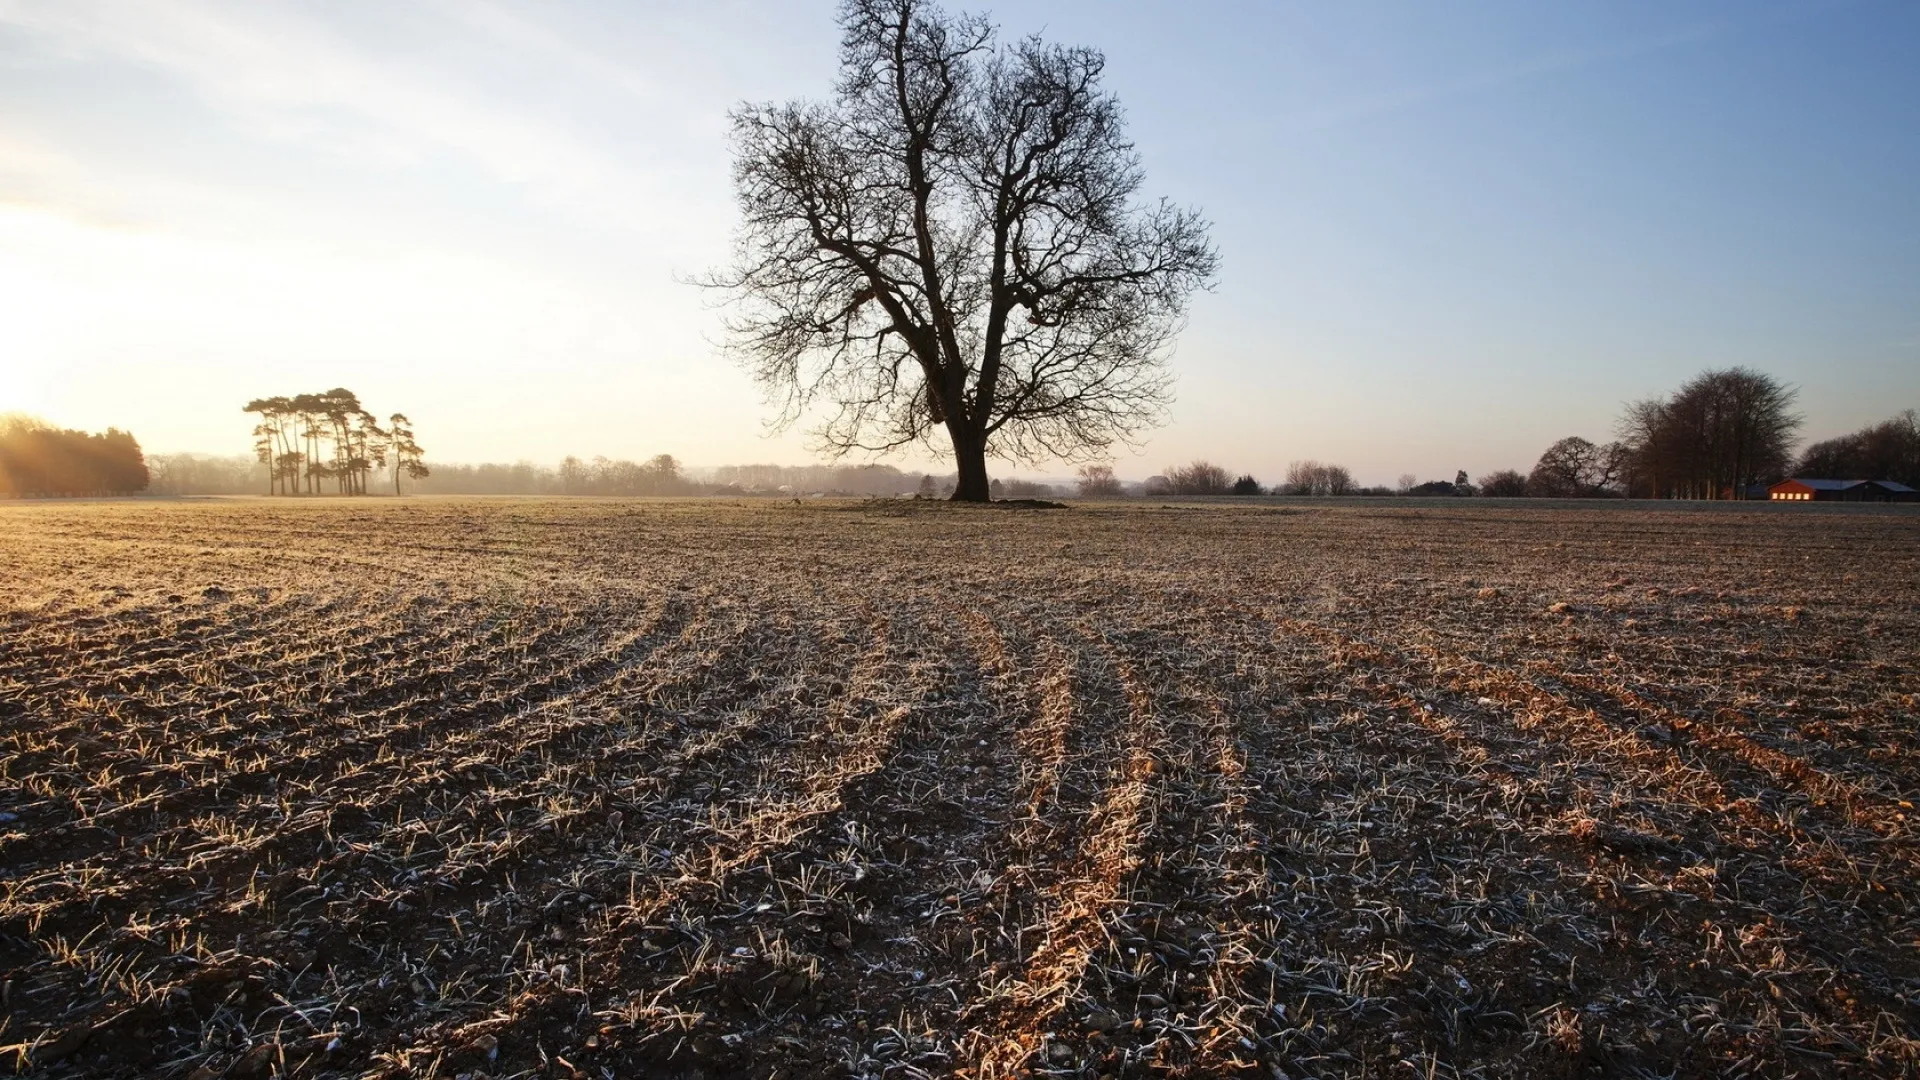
(314, 444)
(37, 458)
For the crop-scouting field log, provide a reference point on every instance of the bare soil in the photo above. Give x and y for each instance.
(690, 789)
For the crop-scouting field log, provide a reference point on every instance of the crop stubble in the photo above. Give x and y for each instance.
(694, 789)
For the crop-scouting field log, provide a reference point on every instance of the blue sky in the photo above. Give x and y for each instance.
(1450, 233)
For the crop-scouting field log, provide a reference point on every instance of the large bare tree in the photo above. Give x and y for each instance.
(955, 244)
(1718, 435)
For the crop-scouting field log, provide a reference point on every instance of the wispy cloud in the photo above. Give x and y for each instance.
(284, 75)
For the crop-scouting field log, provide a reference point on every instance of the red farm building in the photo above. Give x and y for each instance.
(1801, 489)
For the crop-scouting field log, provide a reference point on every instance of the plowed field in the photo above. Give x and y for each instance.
(584, 789)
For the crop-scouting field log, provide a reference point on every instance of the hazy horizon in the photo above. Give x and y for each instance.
(1449, 236)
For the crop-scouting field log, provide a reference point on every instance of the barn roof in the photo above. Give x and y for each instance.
(1826, 485)
(1891, 485)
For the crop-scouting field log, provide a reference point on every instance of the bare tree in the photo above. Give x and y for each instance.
(1199, 478)
(1098, 482)
(661, 476)
(1503, 484)
(954, 244)
(1889, 450)
(1311, 477)
(1565, 471)
(1301, 476)
(1718, 435)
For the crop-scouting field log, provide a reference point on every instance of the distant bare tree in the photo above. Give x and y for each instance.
(1016, 488)
(954, 244)
(1613, 468)
(1199, 478)
(661, 476)
(1717, 436)
(1889, 450)
(1406, 483)
(1311, 477)
(1098, 482)
(1503, 484)
(1565, 471)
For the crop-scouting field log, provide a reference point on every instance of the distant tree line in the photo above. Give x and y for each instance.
(1717, 437)
(38, 459)
(311, 441)
(201, 474)
(1202, 477)
(205, 474)
(865, 479)
(658, 475)
(1724, 434)
(1889, 450)
(664, 475)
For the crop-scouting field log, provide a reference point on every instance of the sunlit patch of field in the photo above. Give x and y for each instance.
(431, 788)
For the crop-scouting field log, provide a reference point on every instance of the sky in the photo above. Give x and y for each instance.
(1450, 234)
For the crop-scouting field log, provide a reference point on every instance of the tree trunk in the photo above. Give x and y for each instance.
(970, 457)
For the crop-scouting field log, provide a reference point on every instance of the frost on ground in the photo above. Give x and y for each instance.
(583, 789)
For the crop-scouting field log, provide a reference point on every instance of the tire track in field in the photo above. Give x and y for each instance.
(1162, 995)
(603, 857)
(1017, 1018)
(155, 875)
(1579, 727)
(164, 774)
(1880, 811)
(1718, 756)
(362, 858)
(1717, 749)
(1866, 978)
(866, 914)
(780, 808)
(1739, 666)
